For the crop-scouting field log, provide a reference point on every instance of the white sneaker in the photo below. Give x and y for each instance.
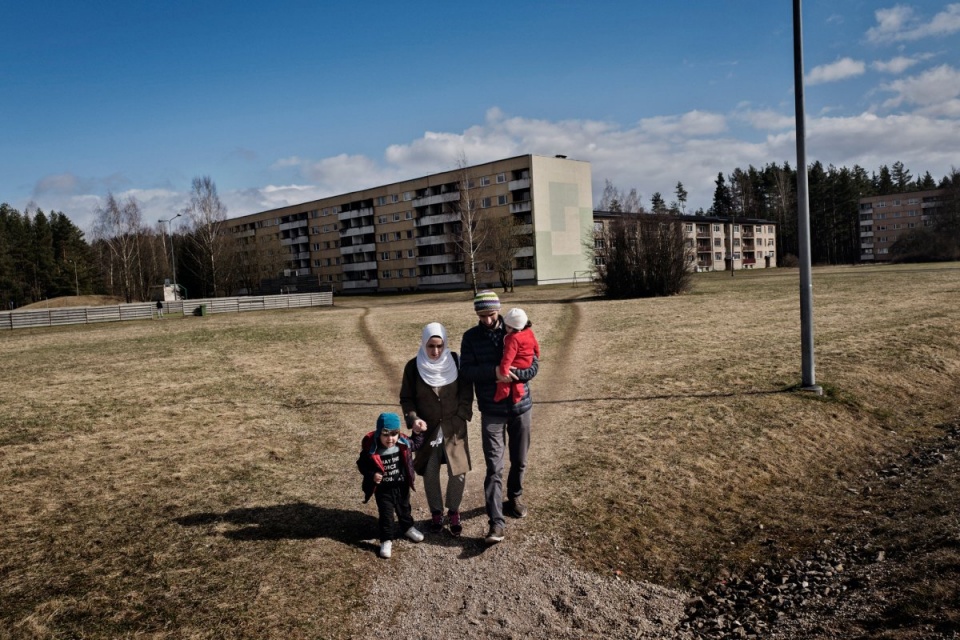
(414, 535)
(386, 548)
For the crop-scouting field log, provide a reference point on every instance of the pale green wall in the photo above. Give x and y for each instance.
(562, 217)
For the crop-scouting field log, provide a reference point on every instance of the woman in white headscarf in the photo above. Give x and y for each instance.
(432, 398)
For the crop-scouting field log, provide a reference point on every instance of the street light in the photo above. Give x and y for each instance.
(173, 255)
(76, 280)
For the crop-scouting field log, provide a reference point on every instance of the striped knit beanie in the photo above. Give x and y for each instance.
(486, 301)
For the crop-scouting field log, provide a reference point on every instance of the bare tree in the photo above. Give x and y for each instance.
(502, 244)
(119, 225)
(207, 218)
(473, 229)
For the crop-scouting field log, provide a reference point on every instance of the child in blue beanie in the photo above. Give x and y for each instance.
(386, 462)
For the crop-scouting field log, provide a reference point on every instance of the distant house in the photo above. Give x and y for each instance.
(883, 219)
(711, 241)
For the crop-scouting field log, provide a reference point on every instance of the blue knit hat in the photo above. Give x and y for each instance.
(486, 301)
(388, 422)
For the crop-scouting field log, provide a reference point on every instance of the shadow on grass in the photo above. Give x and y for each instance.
(294, 521)
(302, 521)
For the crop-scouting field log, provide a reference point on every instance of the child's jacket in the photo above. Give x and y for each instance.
(369, 462)
(519, 349)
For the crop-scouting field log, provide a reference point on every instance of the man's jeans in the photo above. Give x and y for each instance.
(499, 433)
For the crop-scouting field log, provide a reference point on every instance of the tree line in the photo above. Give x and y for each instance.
(770, 193)
(46, 256)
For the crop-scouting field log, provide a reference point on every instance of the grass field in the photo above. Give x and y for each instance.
(194, 477)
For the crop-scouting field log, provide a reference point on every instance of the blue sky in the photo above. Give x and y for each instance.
(289, 101)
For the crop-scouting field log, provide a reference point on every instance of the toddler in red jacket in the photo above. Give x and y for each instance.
(519, 348)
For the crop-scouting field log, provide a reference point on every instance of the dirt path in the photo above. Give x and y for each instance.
(525, 587)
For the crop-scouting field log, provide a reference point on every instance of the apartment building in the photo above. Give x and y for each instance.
(711, 241)
(402, 236)
(883, 219)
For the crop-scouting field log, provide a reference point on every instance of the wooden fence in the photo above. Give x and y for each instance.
(146, 310)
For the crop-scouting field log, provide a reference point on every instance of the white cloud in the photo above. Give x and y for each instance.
(899, 24)
(651, 155)
(897, 65)
(767, 119)
(929, 90)
(839, 70)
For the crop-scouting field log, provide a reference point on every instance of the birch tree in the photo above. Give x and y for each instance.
(119, 225)
(207, 217)
(473, 231)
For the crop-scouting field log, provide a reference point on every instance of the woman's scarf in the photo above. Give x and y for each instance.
(443, 370)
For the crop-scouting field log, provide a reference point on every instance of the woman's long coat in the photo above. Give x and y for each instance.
(448, 408)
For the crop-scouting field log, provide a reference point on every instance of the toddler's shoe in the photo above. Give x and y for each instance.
(386, 549)
(414, 535)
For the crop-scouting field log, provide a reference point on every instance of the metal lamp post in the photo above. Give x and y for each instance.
(173, 254)
(76, 280)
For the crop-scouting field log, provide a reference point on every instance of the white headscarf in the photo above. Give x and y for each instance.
(443, 370)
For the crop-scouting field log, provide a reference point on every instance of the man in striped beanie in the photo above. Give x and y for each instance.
(505, 425)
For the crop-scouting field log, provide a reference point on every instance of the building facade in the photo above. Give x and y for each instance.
(883, 219)
(711, 241)
(403, 236)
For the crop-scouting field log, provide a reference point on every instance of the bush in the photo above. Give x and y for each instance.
(642, 256)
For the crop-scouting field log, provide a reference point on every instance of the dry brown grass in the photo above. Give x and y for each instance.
(195, 477)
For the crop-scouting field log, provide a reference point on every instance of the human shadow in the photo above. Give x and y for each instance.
(294, 521)
(303, 521)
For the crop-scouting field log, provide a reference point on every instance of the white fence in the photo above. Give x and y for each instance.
(146, 310)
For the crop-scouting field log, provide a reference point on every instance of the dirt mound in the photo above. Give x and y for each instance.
(74, 301)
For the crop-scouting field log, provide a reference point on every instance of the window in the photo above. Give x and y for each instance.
(394, 198)
(396, 217)
(881, 204)
(384, 255)
(689, 228)
(397, 255)
(598, 261)
(484, 181)
(598, 226)
(896, 203)
(396, 235)
(382, 200)
(408, 215)
(409, 253)
(718, 256)
(407, 196)
(501, 200)
(501, 177)
(716, 242)
(382, 219)
(411, 273)
(485, 203)
(385, 274)
(316, 262)
(409, 233)
(736, 242)
(716, 228)
(736, 228)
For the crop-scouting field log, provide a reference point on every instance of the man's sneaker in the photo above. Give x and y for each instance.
(455, 527)
(414, 535)
(516, 508)
(436, 522)
(495, 534)
(386, 547)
